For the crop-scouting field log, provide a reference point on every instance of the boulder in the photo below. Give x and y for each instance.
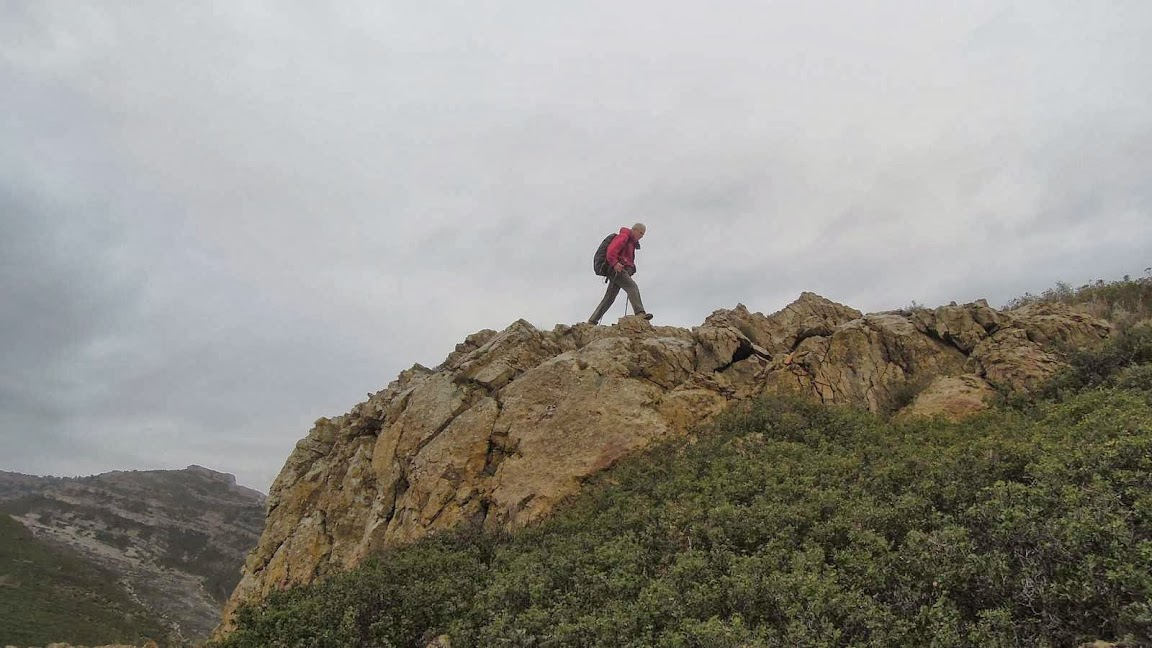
(952, 397)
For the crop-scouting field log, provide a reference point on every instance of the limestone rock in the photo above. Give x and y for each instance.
(809, 316)
(1060, 326)
(962, 326)
(465, 348)
(864, 362)
(513, 422)
(953, 397)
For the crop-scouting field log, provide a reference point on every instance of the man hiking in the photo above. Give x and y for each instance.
(619, 266)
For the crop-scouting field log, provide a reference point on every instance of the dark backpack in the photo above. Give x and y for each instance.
(600, 261)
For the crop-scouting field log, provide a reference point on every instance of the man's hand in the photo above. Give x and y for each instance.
(619, 267)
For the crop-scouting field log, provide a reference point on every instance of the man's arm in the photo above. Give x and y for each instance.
(614, 248)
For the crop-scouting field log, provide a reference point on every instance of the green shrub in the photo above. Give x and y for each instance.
(400, 598)
(1125, 360)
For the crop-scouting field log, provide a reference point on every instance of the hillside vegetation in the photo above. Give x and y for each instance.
(1124, 302)
(46, 587)
(788, 523)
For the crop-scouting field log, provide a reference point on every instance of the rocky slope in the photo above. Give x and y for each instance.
(175, 538)
(511, 423)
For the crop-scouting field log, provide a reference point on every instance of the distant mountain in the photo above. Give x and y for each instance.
(160, 547)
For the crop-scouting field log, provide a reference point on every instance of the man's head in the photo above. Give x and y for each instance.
(638, 231)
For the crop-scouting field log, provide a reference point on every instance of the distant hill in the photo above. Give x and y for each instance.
(125, 555)
(46, 587)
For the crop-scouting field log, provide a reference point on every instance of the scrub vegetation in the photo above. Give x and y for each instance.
(1124, 302)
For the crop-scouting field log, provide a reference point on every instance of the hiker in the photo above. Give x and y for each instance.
(618, 266)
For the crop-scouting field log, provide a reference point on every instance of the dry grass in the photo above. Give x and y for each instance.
(1125, 302)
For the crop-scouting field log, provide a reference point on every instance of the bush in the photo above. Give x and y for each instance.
(403, 597)
(1126, 360)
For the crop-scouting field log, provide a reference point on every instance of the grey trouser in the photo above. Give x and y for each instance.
(616, 281)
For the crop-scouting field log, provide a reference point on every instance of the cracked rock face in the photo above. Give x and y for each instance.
(514, 421)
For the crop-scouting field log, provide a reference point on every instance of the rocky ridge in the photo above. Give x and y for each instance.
(175, 538)
(512, 422)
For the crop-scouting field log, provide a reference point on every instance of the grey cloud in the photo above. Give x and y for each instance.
(230, 220)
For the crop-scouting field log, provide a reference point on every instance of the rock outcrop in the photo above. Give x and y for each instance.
(514, 421)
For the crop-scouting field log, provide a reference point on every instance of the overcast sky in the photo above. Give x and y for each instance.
(220, 221)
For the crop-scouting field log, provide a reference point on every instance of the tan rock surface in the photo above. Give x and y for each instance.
(953, 397)
(514, 421)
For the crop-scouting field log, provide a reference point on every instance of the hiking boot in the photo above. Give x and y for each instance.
(646, 316)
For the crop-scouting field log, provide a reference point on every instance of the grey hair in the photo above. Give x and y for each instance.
(640, 226)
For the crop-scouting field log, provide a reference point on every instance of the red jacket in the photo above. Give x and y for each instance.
(622, 249)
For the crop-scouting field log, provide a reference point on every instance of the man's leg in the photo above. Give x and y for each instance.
(606, 303)
(625, 281)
